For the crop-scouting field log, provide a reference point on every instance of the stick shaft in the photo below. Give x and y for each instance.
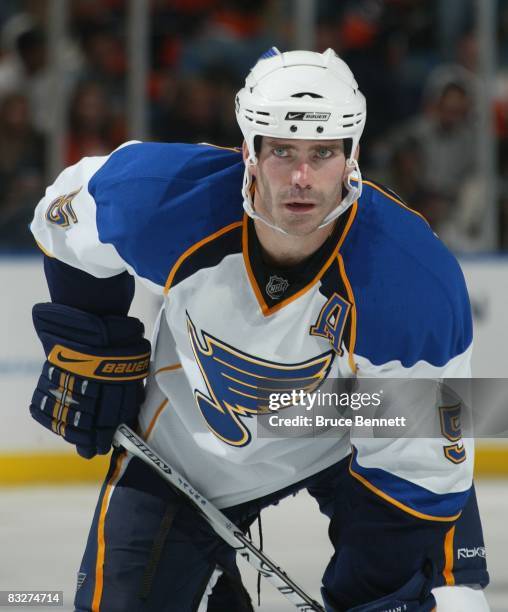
(228, 531)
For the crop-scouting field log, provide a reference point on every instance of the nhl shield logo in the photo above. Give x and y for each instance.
(276, 287)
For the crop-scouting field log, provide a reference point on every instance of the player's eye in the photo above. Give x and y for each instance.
(324, 153)
(280, 151)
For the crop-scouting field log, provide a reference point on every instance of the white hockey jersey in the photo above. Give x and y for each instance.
(383, 298)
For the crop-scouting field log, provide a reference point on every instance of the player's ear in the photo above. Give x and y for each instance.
(245, 151)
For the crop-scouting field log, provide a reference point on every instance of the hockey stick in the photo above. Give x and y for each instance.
(228, 531)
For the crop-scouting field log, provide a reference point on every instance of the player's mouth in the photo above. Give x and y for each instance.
(300, 207)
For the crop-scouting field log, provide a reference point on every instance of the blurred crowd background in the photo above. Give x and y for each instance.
(415, 60)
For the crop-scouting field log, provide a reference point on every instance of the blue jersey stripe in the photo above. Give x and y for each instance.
(410, 495)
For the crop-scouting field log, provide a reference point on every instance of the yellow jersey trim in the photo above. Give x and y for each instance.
(234, 149)
(101, 547)
(193, 248)
(265, 309)
(169, 368)
(394, 199)
(47, 253)
(351, 296)
(154, 419)
(448, 553)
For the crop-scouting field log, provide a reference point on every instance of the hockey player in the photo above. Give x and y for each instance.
(324, 275)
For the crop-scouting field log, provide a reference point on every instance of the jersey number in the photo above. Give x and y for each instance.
(451, 430)
(60, 211)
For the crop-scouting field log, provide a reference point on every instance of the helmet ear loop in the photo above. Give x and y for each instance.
(250, 162)
(353, 173)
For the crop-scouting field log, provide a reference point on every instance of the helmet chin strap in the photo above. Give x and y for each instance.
(354, 192)
(247, 197)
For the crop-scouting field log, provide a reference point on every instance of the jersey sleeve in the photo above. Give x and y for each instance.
(414, 334)
(65, 225)
(425, 468)
(140, 208)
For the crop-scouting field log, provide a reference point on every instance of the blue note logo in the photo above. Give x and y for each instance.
(238, 385)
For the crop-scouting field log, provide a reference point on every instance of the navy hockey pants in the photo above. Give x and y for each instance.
(148, 551)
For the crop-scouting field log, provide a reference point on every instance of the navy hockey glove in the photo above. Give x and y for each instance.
(93, 377)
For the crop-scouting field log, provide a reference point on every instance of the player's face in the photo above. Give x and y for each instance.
(298, 182)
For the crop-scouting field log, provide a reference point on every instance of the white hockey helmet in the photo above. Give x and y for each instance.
(301, 95)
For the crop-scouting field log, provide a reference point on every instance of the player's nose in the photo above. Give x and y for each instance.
(301, 176)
